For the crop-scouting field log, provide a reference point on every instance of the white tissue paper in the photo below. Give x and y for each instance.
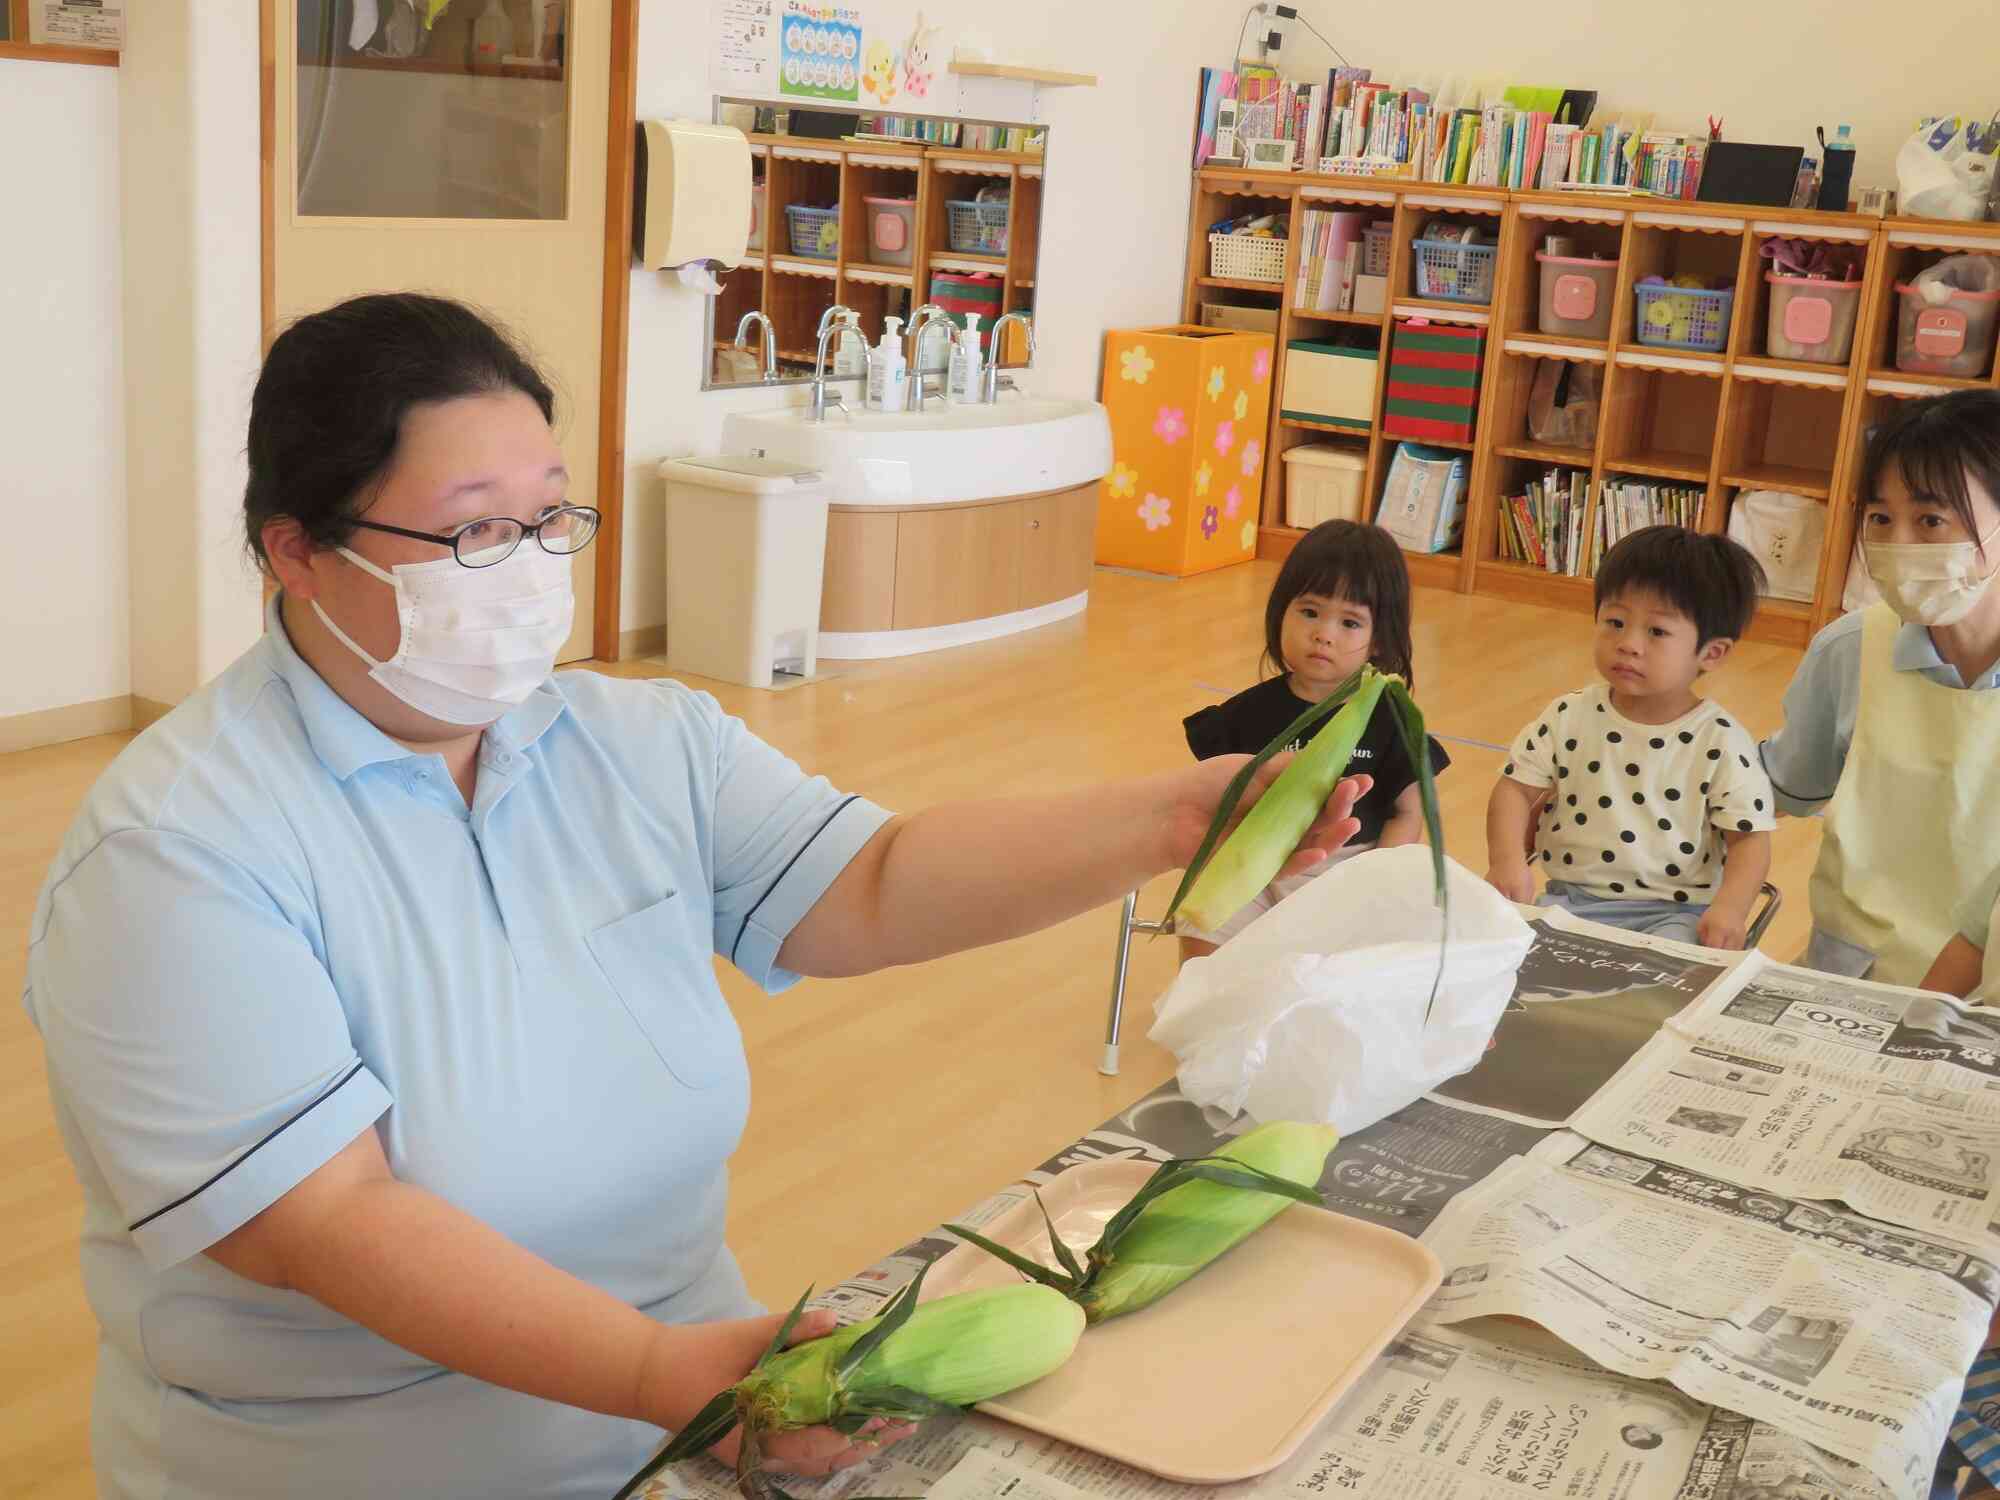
(696, 276)
(1315, 1011)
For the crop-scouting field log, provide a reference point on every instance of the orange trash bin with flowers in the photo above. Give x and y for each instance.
(1188, 408)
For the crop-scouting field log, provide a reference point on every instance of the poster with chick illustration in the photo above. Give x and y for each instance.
(820, 55)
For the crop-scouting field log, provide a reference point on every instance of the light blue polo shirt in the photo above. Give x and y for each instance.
(272, 927)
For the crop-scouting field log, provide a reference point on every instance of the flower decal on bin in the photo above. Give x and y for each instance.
(1233, 501)
(1260, 369)
(1225, 437)
(1204, 477)
(1249, 536)
(1242, 408)
(1170, 426)
(1218, 381)
(1135, 364)
(1123, 481)
(1210, 523)
(1253, 454)
(1155, 511)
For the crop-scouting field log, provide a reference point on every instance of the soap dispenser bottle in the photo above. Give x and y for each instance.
(492, 35)
(887, 369)
(850, 349)
(964, 385)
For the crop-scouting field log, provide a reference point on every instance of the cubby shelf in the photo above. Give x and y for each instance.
(793, 291)
(1723, 423)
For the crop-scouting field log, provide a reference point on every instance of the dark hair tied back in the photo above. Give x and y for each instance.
(335, 388)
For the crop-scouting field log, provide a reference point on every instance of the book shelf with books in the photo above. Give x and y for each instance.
(1681, 431)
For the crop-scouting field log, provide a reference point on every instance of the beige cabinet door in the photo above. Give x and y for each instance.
(414, 165)
(957, 564)
(1058, 540)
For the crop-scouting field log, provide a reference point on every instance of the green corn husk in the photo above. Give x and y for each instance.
(1250, 858)
(908, 1363)
(1187, 1214)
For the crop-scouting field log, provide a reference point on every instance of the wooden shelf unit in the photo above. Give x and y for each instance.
(1723, 422)
(795, 290)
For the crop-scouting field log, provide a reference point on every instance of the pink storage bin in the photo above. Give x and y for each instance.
(1576, 295)
(892, 230)
(1953, 337)
(1812, 318)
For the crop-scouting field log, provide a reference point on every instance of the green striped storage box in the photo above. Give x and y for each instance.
(1434, 373)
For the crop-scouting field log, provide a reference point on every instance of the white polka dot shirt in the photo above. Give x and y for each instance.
(1640, 810)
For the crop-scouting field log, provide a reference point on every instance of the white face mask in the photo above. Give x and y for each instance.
(475, 641)
(1930, 583)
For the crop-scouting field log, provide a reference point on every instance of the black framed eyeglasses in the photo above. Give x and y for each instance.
(564, 531)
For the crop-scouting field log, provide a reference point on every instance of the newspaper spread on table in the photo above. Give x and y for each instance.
(1490, 1410)
(1821, 1087)
(1835, 1328)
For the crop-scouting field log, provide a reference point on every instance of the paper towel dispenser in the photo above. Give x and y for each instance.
(691, 197)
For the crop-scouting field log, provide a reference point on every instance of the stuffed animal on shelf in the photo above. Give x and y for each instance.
(917, 71)
(878, 77)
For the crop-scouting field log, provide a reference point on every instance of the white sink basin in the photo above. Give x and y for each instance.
(1020, 445)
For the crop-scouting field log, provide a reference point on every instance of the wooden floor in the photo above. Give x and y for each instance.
(884, 1105)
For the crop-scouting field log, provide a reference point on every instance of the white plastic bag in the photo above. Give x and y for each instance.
(1783, 532)
(1939, 175)
(1315, 1011)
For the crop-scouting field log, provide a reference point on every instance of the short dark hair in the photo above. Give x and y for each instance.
(1352, 561)
(1710, 579)
(333, 393)
(1934, 444)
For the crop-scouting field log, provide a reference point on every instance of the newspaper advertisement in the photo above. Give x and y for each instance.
(1586, 1000)
(1840, 1331)
(1821, 1087)
(1444, 1414)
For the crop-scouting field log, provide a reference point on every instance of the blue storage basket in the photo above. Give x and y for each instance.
(1683, 317)
(815, 231)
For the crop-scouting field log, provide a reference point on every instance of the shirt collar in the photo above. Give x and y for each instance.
(1915, 651)
(346, 741)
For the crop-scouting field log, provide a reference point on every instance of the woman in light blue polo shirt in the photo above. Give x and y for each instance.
(376, 986)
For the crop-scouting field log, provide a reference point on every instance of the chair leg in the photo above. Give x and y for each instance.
(1761, 921)
(1108, 1066)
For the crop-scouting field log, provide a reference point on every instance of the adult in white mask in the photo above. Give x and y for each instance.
(377, 979)
(1891, 723)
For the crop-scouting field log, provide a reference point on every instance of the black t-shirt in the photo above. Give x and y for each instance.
(1254, 717)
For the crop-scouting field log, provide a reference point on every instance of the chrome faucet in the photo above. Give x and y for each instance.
(921, 319)
(829, 327)
(770, 342)
(990, 385)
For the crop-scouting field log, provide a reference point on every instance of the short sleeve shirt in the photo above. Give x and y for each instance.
(271, 928)
(1639, 810)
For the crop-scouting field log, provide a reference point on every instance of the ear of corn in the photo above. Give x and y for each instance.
(1197, 1221)
(905, 1364)
(1250, 858)
(1188, 1213)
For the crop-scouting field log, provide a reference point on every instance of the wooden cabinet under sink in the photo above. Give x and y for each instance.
(933, 567)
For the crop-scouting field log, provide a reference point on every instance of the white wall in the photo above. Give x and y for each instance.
(1115, 206)
(62, 577)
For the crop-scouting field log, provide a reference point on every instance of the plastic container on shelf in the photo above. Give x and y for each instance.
(892, 230)
(1952, 337)
(1812, 318)
(759, 201)
(1683, 317)
(1324, 482)
(1247, 257)
(1576, 296)
(815, 231)
(1449, 271)
(976, 228)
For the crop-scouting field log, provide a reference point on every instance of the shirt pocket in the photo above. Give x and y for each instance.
(645, 956)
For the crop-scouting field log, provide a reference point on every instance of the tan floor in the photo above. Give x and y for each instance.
(882, 1105)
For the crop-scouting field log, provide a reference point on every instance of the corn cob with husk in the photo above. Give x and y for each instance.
(905, 1364)
(1187, 1214)
(1220, 882)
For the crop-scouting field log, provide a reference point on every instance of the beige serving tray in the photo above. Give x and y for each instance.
(1223, 1378)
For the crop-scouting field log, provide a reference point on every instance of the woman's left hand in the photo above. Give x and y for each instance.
(1193, 802)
